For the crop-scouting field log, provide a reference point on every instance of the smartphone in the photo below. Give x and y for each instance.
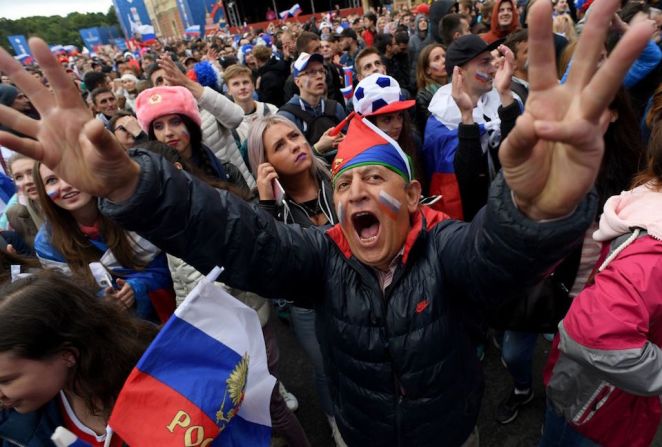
(279, 192)
(101, 276)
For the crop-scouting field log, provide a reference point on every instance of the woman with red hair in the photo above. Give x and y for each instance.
(505, 20)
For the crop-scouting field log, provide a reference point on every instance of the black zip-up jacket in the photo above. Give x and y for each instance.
(272, 78)
(401, 368)
(471, 165)
(295, 214)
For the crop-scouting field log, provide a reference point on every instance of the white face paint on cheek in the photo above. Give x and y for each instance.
(340, 211)
(53, 193)
(483, 77)
(389, 204)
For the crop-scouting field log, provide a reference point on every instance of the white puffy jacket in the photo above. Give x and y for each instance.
(185, 278)
(219, 117)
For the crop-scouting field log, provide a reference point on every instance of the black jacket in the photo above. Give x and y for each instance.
(291, 212)
(398, 67)
(272, 77)
(402, 371)
(471, 165)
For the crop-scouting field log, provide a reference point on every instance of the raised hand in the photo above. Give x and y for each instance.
(504, 75)
(67, 139)
(461, 97)
(266, 174)
(212, 55)
(552, 156)
(174, 76)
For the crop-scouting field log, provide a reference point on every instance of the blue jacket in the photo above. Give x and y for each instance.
(401, 367)
(31, 429)
(152, 286)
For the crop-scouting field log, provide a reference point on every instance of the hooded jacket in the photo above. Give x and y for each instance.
(219, 117)
(272, 77)
(416, 41)
(496, 32)
(438, 10)
(32, 429)
(152, 285)
(402, 370)
(604, 374)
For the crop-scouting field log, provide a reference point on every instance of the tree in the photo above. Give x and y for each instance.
(55, 29)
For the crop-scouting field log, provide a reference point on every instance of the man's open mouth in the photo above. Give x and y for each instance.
(366, 225)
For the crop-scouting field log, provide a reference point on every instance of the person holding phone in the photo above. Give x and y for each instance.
(76, 234)
(294, 186)
(170, 115)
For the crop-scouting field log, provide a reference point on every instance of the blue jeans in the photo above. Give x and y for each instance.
(557, 432)
(517, 351)
(303, 321)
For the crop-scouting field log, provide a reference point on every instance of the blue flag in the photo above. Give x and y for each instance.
(20, 44)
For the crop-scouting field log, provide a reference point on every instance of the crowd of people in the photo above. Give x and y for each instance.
(403, 188)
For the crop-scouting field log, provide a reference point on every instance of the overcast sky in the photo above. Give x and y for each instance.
(15, 9)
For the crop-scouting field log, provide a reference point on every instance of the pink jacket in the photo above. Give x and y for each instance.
(605, 371)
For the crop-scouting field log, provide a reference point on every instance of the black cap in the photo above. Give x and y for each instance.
(465, 48)
(349, 32)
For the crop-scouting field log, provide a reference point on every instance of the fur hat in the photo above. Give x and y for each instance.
(159, 101)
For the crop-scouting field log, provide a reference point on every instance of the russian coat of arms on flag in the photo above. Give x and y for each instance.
(204, 379)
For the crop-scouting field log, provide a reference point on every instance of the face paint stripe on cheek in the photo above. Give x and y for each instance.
(389, 204)
(484, 77)
(54, 194)
(340, 211)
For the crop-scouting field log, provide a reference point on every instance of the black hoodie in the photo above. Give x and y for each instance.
(272, 77)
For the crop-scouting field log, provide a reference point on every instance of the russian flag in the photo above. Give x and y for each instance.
(292, 12)
(147, 34)
(56, 49)
(25, 59)
(64, 438)
(347, 92)
(193, 30)
(203, 380)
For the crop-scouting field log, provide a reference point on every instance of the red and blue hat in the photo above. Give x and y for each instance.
(379, 94)
(366, 145)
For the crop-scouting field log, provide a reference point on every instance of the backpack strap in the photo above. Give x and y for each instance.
(296, 111)
(330, 108)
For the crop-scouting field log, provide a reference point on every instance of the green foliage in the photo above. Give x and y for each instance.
(55, 29)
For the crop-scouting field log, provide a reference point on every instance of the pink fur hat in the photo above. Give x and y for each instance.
(159, 101)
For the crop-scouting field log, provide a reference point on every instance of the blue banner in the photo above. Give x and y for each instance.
(91, 37)
(131, 13)
(185, 13)
(121, 44)
(20, 44)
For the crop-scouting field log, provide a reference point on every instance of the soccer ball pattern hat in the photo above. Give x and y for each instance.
(379, 94)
